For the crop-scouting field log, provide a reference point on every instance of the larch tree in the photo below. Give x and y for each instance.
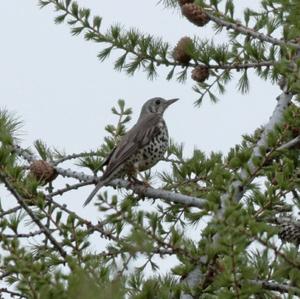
(229, 219)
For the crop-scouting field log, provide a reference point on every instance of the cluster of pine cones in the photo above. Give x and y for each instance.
(183, 52)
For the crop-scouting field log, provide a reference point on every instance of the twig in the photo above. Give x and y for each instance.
(23, 235)
(24, 153)
(239, 66)
(237, 27)
(10, 211)
(290, 144)
(12, 293)
(75, 156)
(68, 188)
(99, 227)
(35, 219)
(278, 287)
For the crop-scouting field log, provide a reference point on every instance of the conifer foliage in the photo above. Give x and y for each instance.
(229, 220)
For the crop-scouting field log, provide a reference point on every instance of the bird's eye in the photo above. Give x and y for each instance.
(157, 102)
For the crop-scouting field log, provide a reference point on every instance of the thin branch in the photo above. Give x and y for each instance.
(24, 235)
(238, 27)
(75, 156)
(239, 66)
(68, 188)
(292, 143)
(34, 218)
(10, 211)
(138, 189)
(267, 244)
(274, 286)
(24, 153)
(99, 227)
(12, 293)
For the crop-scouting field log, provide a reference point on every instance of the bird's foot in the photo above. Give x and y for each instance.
(135, 181)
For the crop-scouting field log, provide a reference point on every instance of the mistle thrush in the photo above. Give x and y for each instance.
(141, 147)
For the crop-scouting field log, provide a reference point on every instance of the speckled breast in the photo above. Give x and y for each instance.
(153, 152)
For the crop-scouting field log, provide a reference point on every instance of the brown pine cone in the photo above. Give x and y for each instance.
(182, 2)
(290, 232)
(200, 73)
(182, 50)
(295, 131)
(195, 14)
(42, 171)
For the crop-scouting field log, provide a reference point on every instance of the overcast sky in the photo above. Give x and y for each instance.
(55, 83)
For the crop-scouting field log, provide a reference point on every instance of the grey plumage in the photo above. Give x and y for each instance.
(141, 147)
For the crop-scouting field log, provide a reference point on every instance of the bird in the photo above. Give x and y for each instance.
(141, 147)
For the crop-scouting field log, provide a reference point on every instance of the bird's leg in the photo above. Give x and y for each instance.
(134, 180)
(144, 180)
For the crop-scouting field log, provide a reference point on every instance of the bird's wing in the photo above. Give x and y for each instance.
(107, 159)
(136, 138)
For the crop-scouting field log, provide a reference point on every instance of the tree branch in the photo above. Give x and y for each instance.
(12, 293)
(24, 235)
(35, 219)
(237, 188)
(99, 227)
(10, 211)
(238, 27)
(239, 66)
(278, 287)
(277, 116)
(138, 189)
(292, 143)
(75, 156)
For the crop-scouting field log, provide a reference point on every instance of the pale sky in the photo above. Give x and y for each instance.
(56, 84)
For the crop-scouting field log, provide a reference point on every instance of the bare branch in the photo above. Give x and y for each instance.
(292, 143)
(239, 66)
(75, 156)
(10, 211)
(138, 189)
(24, 235)
(68, 188)
(238, 27)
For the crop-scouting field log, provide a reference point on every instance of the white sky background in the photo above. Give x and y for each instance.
(56, 84)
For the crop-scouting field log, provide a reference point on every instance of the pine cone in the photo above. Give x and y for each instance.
(182, 49)
(200, 73)
(295, 131)
(182, 2)
(195, 14)
(42, 171)
(290, 232)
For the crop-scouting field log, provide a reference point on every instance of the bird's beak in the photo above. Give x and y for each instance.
(170, 102)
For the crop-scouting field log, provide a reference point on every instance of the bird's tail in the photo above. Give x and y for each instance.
(93, 193)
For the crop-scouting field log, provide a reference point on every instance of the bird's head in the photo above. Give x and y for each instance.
(156, 106)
